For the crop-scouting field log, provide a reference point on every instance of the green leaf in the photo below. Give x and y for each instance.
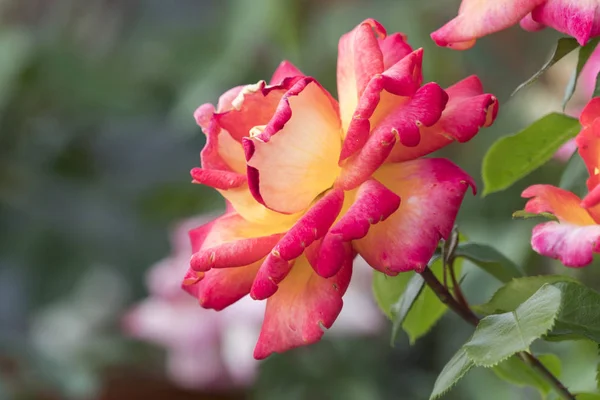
(579, 317)
(574, 176)
(563, 47)
(584, 54)
(490, 260)
(522, 214)
(516, 372)
(499, 336)
(456, 368)
(514, 157)
(515, 292)
(387, 290)
(587, 396)
(401, 309)
(425, 311)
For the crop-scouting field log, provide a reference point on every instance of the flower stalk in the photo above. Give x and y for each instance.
(468, 315)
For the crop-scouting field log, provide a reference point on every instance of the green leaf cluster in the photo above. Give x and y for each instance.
(552, 308)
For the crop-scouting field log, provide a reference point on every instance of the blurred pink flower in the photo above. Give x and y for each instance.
(202, 345)
(210, 349)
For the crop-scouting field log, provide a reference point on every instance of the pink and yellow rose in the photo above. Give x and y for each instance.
(477, 18)
(576, 236)
(310, 181)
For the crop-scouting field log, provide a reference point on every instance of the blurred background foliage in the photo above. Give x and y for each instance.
(96, 143)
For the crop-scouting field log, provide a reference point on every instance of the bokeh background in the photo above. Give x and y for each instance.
(96, 143)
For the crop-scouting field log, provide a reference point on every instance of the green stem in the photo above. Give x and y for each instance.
(468, 315)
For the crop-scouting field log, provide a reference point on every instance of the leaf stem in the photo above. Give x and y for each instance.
(468, 315)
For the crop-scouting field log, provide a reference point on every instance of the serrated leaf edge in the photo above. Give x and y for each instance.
(559, 309)
(442, 393)
(499, 291)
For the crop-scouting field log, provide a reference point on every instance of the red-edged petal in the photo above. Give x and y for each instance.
(588, 143)
(394, 48)
(385, 93)
(220, 288)
(359, 59)
(215, 155)
(573, 245)
(285, 70)
(310, 228)
(234, 254)
(477, 18)
(591, 200)
(230, 241)
(373, 203)
(566, 206)
(530, 25)
(423, 109)
(204, 113)
(302, 308)
(577, 18)
(468, 110)
(431, 191)
(401, 125)
(218, 179)
(239, 110)
(590, 112)
(294, 158)
(254, 105)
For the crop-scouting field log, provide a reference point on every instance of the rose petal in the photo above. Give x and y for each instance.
(244, 203)
(239, 110)
(530, 25)
(230, 241)
(373, 203)
(385, 93)
(217, 179)
(559, 202)
(590, 112)
(592, 199)
(588, 144)
(401, 125)
(302, 308)
(394, 48)
(285, 70)
(431, 191)
(573, 245)
(359, 58)
(294, 158)
(310, 228)
(234, 254)
(577, 18)
(477, 18)
(468, 110)
(254, 105)
(220, 288)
